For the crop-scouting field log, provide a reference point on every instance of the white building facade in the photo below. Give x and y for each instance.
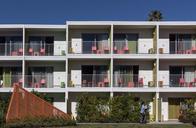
(154, 61)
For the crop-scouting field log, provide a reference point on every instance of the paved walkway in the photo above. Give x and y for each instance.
(167, 122)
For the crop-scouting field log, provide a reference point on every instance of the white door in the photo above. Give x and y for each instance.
(76, 76)
(59, 77)
(73, 109)
(77, 45)
(144, 45)
(59, 47)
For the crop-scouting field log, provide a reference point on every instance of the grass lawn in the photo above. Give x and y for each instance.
(132, 126)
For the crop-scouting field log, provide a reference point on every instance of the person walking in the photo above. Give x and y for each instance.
(143, 113)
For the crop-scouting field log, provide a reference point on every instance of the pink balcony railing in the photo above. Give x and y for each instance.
(180, 47)
(127, 80)
(91, 80)
(39, 81)
(7, 81)
(11, 49)
(90, 47)
(182, 80)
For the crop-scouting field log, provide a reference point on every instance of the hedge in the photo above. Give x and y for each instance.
(117, 109)
(40, 122)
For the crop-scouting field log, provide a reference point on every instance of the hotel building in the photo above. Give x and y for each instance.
(154, 61)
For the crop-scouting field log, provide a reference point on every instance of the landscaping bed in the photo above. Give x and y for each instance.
(131, 126)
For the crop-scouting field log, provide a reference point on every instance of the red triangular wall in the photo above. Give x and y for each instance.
(24, 104)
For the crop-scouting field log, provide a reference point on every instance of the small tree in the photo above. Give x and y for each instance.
(86, 109)
(155, 15)
(124, 109)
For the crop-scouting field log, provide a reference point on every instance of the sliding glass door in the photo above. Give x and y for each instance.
(37, 43)
(93, 75)
(40, 76)
(126, 43)
(98, 41)
(124, 74)
(182, 75)
(180, 43)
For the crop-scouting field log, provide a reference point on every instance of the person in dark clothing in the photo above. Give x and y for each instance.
(143, 111)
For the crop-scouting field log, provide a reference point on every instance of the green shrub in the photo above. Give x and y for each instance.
(188, 113)
(40, 122)
(117, 109)
(91, 109)
(43, 96)
(124, 109)
(4, 102)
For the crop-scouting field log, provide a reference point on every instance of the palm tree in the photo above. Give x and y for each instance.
(155, 15)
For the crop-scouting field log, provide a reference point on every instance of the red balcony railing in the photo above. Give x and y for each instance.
(90, 47)
(91, 80)
(7, 81)
(11, 49)
(127, 80)
(182, 80)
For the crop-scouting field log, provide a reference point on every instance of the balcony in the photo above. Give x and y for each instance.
(42, 81)
(181, 80)
(130, 80)
(179, 47)
(43, 49)
(128, 47)
(89, 47)
(8, 81)
(11, 49)
(90, 80)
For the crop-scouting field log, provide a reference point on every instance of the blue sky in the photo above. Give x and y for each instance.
(58, 11)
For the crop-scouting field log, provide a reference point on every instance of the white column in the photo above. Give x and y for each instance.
(157, 106)
(66, 68)
(67, 40)
(111, 71)
(23, 60)
(157, 67)
(157, 56)
(66, 60)
(111, 94)
(111, 60)
(66, 100)
(67, 75)
(111, 38)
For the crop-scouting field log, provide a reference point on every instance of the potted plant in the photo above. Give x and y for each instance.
(62, 84)
(63, 52)
(71, 84)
